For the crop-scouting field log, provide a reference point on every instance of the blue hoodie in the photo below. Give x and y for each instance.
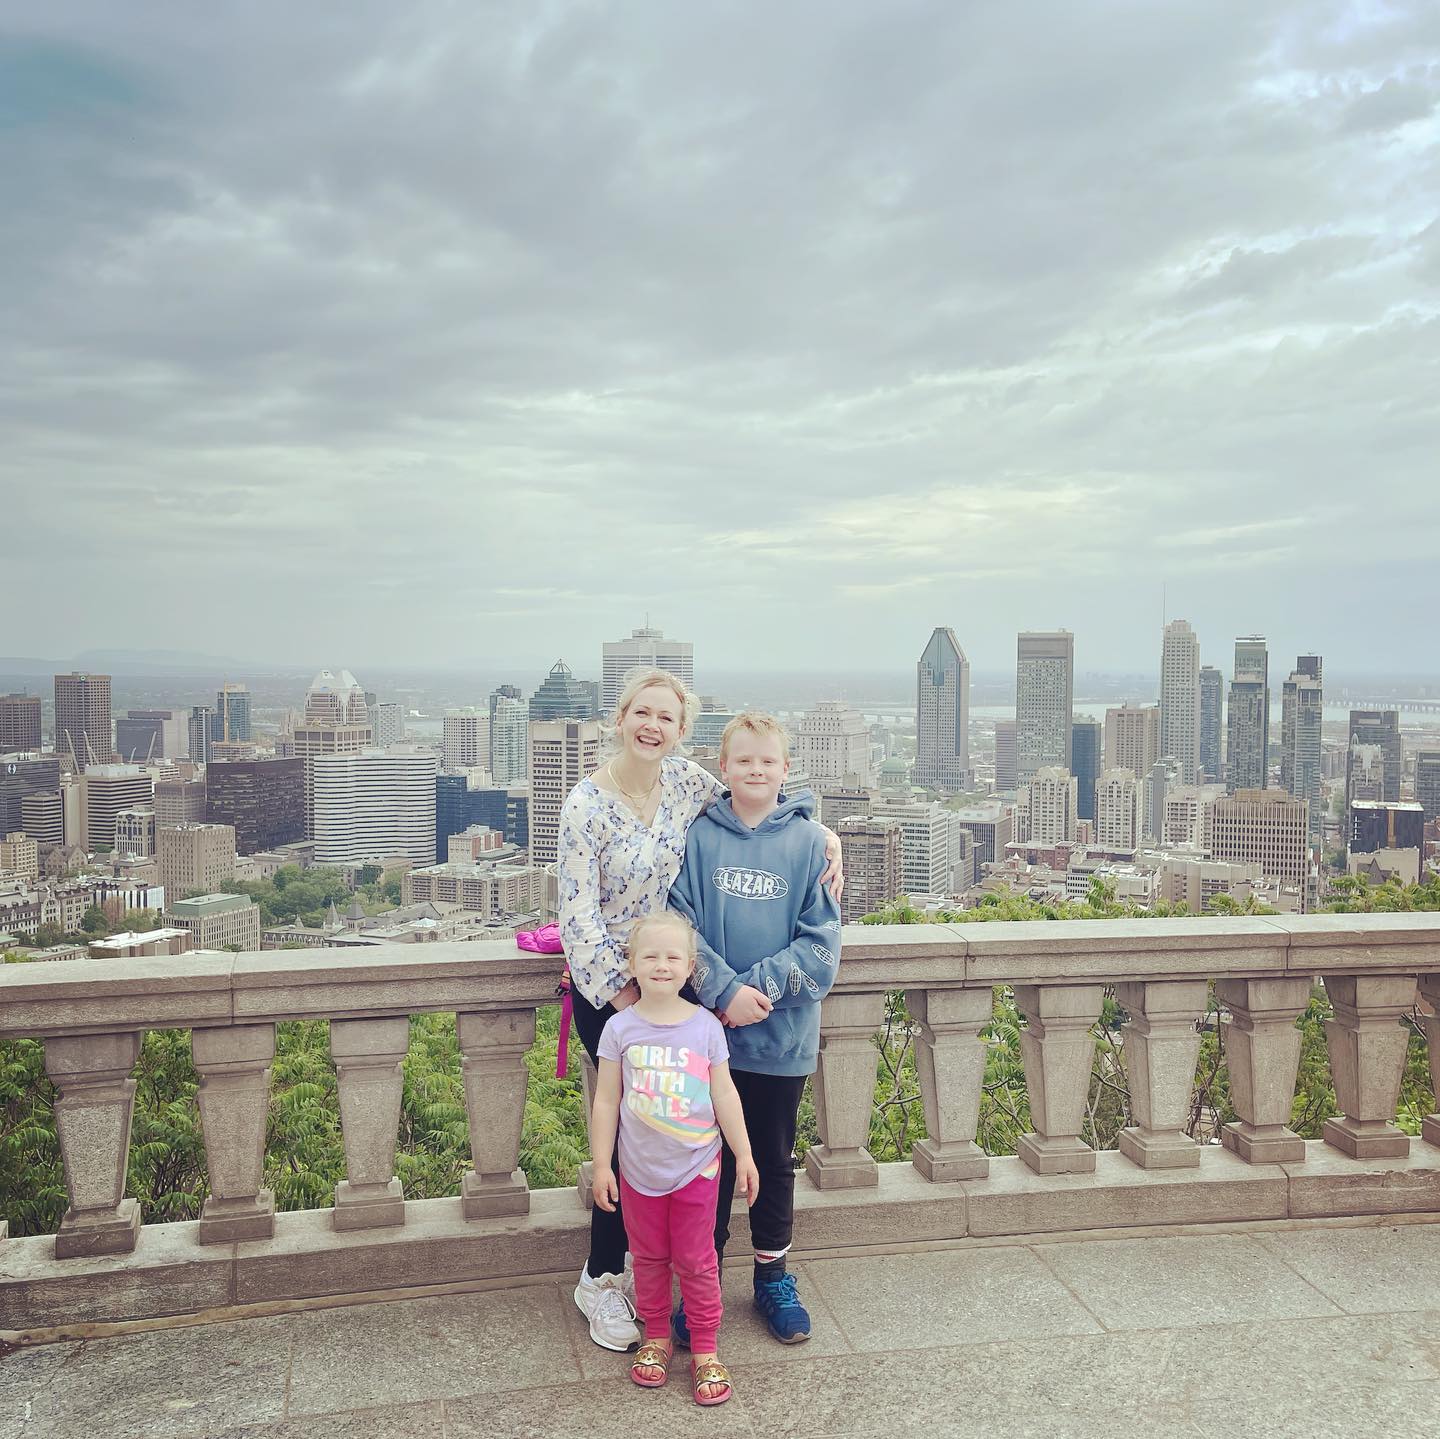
(764, 920)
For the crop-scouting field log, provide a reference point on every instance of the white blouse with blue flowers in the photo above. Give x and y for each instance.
(614, 869)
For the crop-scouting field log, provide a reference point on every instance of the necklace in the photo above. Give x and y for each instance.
(637, 802)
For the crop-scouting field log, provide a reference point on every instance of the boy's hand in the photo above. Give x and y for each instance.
(747, 1178)
(606, 1189)
(748, 1006)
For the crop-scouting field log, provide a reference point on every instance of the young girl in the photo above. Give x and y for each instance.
(664, 1080)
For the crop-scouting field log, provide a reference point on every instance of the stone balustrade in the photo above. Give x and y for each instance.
(92, 1014)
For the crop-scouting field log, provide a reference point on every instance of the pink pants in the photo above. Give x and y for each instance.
(675, 1232)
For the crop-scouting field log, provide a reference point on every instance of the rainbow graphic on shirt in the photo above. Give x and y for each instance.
(668, 1088)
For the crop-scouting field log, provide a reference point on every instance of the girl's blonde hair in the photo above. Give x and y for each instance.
(668, 917)
(641, 679)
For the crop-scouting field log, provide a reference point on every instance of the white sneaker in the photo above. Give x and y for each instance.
(612, 1316)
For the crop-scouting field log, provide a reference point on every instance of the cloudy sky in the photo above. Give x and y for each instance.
(462, 333)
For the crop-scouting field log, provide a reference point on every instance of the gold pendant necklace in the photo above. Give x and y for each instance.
(637, 802)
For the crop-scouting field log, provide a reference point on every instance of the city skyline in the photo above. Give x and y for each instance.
(801, 353)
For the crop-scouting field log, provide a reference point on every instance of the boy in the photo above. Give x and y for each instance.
(768, 951)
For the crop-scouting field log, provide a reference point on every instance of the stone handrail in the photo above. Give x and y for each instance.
(92, 1014)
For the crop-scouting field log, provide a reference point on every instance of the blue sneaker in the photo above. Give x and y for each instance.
(680, 1327)
(782, 1310)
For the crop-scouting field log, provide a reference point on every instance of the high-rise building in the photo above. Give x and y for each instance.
(42, 817)
(22, 774)
(82, 719)
(19, 855)
(832, 745)
(1266, 827)
(873, 872)
(563, 697)
(838, 802)
(1155, 788)
(1132, 738)
(19, 723)
(942, 714)
(991, 826)
(216, 921)
(135, 834)
(1044, 700)
(1046, 812)
(262, 800)
(1180, 698)
(1117, 819)
(1186, 815)
(1085, 742)
(142, 736)
(509, 736)
(562, 753)
(389, 723)
(179, 801)
(1375, 760)
(1007, 757)
(375, 804)
(1378, 824)
(337, 721)
(194, 858)
(232, 713)
(1302, 713)
(1212, 692)
(201, 730)
(1247, 747)
(1427, 782)
(466, 742)
(930, 844)
(645, 649)
(106, 789)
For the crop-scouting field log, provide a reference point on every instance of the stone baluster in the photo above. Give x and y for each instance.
(1430, 992)
(1058, 1050)
(92, 1118)
(1162, 1046)
(950, 1063)
(368, 1055)
(1262, 1049)
(844, 1090)
(1367, 1045)
(588, 1078)
(493, 1045)
(234, 1069)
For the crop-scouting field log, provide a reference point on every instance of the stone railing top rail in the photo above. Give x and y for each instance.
(191, 992)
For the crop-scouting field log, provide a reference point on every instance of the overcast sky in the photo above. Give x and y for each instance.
(376, 333)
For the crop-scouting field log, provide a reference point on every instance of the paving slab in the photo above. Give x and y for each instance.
(1182, 1282)
(168, 1384)
(612, 1409)
(922, 1301)
(1286, 1409)
(405, 1421)
(1365, 1271)
(25, 1374)
(372, 1355)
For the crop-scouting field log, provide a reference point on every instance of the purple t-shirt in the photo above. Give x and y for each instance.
(668, 1132)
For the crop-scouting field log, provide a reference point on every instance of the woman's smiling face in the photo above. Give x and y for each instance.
(651, 727)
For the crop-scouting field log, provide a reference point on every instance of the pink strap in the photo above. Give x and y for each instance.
(567, 1008)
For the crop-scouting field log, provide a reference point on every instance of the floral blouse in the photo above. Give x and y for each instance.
(614, 869)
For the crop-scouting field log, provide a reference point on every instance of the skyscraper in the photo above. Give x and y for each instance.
(1212, 695)
(374, 804)
(1117, 823)
(1044, 700)
(1301, 714)
(19, 723)
(144, 735)
(1375, 760)
(262, 800)
(1132, 738)
(1085, 741)
(38, 774)
(942, 714)
(1007, 757)
(1046, 812)
(874, 873)
(1427, 782)
(82, 718)
(1264, 827)
(201, 733)
(106, 790)
(1180, 698)
(509, 736)
(562, 753)
(562, 696)
(1248, 722)
(832, 745)
(388, 722)
(337, 721)
(232, 712)
(645, 649)
(466, 741)
(194, 858)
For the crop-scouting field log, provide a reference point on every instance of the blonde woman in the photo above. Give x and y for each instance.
(621, 844)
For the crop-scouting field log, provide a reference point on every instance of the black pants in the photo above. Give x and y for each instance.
(772, 1105)
(608, 1244)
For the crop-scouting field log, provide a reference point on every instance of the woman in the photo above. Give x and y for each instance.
(621, 843)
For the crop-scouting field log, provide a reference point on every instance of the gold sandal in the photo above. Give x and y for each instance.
(712, 1371)
(651, 1355)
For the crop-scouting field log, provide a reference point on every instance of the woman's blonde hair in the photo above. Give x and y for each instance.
(668, 917)
(642, 679)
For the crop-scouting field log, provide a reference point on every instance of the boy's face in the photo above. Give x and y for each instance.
(754, 768)
(661, 960)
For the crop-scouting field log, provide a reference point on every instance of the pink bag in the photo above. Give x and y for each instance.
(546, 940)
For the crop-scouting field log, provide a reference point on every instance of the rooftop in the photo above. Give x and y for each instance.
(206, 904)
